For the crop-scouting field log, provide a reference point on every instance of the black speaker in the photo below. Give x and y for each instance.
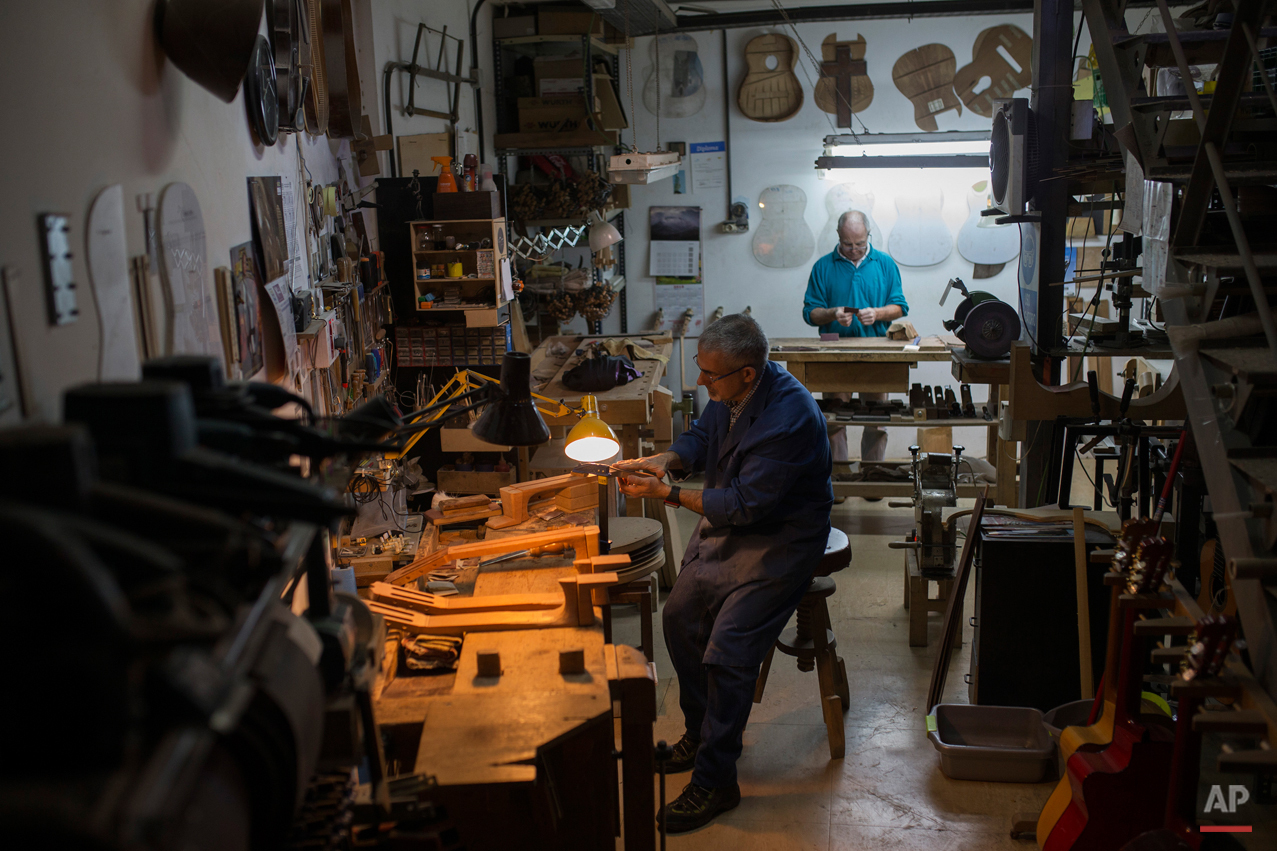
(1025, 649)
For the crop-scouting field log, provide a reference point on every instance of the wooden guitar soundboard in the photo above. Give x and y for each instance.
(770, 94)
(925, 76)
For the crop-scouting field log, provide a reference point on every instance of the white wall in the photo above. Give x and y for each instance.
(764, 154)
(91, 100)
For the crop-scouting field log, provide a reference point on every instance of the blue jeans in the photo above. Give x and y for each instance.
(736, 622)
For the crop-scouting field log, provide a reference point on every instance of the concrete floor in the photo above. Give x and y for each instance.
(888, 792)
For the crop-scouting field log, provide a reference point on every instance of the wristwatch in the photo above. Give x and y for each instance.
(672, 499)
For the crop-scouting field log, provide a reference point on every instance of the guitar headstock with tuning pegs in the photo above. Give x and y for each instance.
(1208, 651)
(1148, 568)
(1133, 533)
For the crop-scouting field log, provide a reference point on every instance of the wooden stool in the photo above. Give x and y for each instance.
(811, 641)
(919, 602)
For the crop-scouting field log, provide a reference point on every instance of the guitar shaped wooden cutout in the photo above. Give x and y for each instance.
(770, 91)
(920, 236)
(1198, 679)
(1097, 735)
(986, 244)
(1001, 54)
(1117, 792)
(838, 200)
(681, 78)
(783, 239)
(844, 86)
(925, 76)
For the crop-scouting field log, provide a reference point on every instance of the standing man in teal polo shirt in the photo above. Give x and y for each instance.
(854, 291)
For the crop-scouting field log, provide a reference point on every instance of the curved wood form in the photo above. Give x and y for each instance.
(313, 68)
(1030, 400)
(434, 603)
(583, 539)
(423, 601)
(515, 498)
(575, 608)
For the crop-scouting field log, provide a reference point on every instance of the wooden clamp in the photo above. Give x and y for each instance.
(583, 539)
(1031, 400)
(583, 492)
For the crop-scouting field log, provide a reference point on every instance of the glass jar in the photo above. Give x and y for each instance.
(437, 235)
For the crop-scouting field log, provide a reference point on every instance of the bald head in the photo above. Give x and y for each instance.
(853, 235)
(854, 219)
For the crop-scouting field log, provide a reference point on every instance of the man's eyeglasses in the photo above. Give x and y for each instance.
(710, 377)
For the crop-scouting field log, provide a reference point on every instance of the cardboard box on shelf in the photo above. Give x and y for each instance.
(558, 68)
(514, 26)
(552, 114)
(569, 20)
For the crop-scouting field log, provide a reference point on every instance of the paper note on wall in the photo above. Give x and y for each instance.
(709, 165)
(281, 299)
(507, 281)
(675, 300)
(297, 268)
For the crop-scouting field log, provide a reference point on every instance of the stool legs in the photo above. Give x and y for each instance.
(831, 673)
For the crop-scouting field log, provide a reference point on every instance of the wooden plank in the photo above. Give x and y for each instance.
(472, 739)
(1083, 602)
(857, 376)
(861, 350)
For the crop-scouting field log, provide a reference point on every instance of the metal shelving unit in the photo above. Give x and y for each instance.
(590, 47)
(1226, 368)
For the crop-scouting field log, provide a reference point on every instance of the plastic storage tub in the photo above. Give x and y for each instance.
(1074, 714)
(1001, 743)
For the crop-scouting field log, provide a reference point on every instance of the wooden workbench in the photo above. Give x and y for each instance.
(635, 407)
(879, 365)
(532, 747)
(857, 364)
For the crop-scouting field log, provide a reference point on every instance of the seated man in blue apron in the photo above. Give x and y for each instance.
(765, 522)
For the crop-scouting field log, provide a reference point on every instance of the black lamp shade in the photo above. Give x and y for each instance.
(511, 419)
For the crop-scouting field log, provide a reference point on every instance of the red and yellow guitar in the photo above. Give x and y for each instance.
(1118, 792)
(1097, 735)
(1197, 680)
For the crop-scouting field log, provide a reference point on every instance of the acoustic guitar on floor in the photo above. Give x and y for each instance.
(1118, 792)
(1198, 679)
(1098, 734)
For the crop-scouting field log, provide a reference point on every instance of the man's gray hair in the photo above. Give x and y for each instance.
(738, 338)
(856, 216)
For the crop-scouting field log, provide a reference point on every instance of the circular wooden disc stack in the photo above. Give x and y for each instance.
(642, 539)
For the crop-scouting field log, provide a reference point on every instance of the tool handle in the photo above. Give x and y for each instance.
(904, 545)
(1093, 385)
(1127, 391)
(900, 503)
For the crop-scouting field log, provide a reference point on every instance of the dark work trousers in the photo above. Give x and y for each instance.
(717, 631)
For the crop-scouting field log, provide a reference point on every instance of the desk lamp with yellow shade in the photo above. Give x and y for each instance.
(512, 418)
